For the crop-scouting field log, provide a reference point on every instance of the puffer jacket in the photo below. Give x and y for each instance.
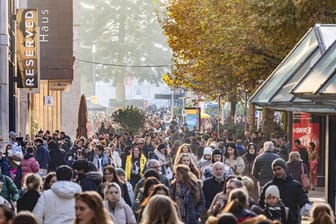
(57, 205)
(29, 165)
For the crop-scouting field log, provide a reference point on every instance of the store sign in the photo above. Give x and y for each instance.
(27, 48)
(56, 38)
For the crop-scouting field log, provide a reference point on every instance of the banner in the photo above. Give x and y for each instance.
(56, 38)
(305, 129)
(27, 48)
(193, 118)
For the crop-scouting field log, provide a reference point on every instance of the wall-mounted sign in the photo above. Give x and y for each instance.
(193, 118)
(27, 48)
(56, 38)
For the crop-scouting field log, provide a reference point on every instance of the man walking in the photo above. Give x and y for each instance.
(291, 191)
(57, 205)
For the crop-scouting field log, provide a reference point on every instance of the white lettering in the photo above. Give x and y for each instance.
(30, 82)
(306, 130)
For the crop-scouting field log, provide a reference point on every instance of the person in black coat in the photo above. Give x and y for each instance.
(29, 199)
(291, 191)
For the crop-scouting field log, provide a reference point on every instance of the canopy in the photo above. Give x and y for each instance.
(279, 89)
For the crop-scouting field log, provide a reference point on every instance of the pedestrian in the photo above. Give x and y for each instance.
(9, 191)
(167, 213)
(110, 176)
(158, 189)
(57, 205)
(6, 214)
(42, 156)
(233, 160)
(117, 206)
(121, 175)
(274, 208)
(322, 213)
(49, 180)
(187, 193)
(291, 191)
(90, 209)
(25, 217)
(221, 198)
(238, 205)
(262, 166)
(29, 163)
(32, 187)
(313, 162)
(296, 167)
(135, 165)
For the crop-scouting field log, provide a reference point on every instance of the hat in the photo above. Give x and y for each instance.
(279, 162)
(120, 171)
(272, 190)
(38, 139)
(207, 150)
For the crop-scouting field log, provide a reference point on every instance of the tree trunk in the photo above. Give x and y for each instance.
(268, 123)
(252, 124)
(232, 112)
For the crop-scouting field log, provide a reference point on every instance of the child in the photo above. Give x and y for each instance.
(274, 208)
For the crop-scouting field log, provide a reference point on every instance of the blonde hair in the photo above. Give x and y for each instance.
(248, 183)
(294, 156)
(32, 181)
(153, 215)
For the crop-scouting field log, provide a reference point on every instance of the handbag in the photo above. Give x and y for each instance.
(305, 182)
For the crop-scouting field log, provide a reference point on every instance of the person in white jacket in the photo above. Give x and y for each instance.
(120, 211)
(57, 205)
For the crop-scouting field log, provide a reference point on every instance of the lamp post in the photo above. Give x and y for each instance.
(245, 111)
(94, 69)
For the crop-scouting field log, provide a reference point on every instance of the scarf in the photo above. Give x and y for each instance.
(181, 199)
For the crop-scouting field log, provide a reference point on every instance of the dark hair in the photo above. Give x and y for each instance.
(24, 217)
(64, 172)
(46, 183)
(8, 212)
(312, 144)
(149, 182)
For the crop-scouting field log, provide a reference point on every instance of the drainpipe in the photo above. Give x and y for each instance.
(4, 44)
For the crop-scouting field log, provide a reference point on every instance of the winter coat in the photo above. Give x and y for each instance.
(28, 201)
(57, 205)
(29, 165)
(5, 166)
(90, 181)
(9, 190)
(291, 194)
(128, 166)
(192, 207)
(210, 188)
(262, 167)
(42, 156)
(122, 212)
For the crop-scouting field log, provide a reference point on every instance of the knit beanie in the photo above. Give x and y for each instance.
(272, 190)
(207, 150)
(279, 162)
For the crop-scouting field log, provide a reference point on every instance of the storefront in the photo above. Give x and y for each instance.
(305, 81)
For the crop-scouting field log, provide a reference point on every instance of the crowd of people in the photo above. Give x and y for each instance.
(162, 174)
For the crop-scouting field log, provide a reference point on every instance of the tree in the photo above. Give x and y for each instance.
(220, 47)
(130, 118)
(125, 33)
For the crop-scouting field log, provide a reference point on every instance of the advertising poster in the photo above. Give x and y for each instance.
(193, 118)
(306, 130)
